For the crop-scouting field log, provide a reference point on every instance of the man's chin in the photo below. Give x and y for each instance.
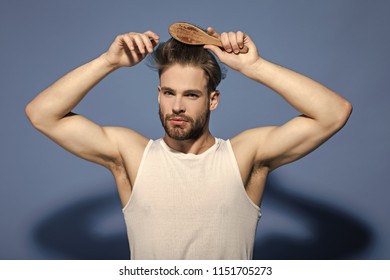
(178, 135)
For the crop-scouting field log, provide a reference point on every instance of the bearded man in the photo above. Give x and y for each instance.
(190, 195)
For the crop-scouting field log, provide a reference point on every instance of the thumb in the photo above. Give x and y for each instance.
(215, 49)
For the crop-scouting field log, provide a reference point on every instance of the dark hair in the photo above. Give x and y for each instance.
(174, 52)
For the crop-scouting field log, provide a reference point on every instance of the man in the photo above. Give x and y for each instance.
(189, 195)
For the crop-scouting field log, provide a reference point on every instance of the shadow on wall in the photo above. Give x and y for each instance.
(334, 234)
(68, 233)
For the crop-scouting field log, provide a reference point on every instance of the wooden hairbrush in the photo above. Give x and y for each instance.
(190, 34)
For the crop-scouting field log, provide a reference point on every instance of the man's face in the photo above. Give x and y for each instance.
(184, 102)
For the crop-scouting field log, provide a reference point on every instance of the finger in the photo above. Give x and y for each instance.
(147, 43)
(216, 50)
(233, 42)
(240, 39)
(153, 37)
(139, 43)
(126, 38)
(226, 42)
(211, 31)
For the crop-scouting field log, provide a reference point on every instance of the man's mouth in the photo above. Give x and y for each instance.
(177, 121)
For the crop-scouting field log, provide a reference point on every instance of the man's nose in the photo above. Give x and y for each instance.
(178, 106)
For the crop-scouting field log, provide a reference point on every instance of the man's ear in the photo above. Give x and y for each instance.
(159, 92)
(214, 99)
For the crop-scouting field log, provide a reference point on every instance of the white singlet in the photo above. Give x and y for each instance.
(186, 206)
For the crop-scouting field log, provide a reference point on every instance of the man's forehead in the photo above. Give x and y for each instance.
(181, 77)
(187, 69)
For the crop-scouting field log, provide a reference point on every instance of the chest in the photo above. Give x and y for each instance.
(170, 181)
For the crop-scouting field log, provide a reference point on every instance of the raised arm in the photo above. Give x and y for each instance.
(324, 112)
(50, 111)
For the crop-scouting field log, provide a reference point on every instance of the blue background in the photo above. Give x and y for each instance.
(332, 204)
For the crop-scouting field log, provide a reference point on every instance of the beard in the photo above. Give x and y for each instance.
(193, 128)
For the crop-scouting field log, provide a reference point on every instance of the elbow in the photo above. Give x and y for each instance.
(29, 111)
(342, 115)
(346, 112)
(40, 117)
(33, 115)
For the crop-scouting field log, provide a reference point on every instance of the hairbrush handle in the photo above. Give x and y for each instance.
(190, 34)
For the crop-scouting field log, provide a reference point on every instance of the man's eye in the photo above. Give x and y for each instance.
(192, 95)
(168, 92)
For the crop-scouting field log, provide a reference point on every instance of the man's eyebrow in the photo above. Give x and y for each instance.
(167, 88)
(197, 91)
(164, 88)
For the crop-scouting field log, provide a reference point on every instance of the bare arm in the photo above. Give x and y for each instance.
(324, 112)
(50, 111)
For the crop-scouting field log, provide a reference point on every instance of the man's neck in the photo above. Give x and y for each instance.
(191, 146)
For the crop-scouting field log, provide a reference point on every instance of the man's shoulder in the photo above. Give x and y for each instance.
(251, 136)
(248, 144)
(126, 139)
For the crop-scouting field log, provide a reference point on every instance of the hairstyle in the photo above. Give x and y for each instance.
(174, 52)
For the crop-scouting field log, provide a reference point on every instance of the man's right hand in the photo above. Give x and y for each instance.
(131, 48)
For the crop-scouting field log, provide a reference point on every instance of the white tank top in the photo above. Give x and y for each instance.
(186, 206)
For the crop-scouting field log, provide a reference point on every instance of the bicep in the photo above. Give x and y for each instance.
(85, 139)
(291, 141)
